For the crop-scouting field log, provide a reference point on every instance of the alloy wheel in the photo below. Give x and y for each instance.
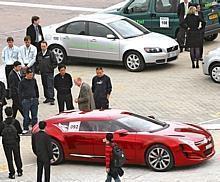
(216, 73)
(59, 54)
(56, 152)
(133, 62)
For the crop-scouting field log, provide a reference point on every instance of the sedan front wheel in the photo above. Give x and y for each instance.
(134, 61)
(215, 73)
(57, 152)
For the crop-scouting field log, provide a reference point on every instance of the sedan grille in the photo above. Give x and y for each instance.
(174, 48)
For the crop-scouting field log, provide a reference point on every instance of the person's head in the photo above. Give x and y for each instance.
(78, 81)
(9, 111)
(29, 74)
(10, 42)
(27, 41)
(108, 138)
(17, 66)
(42, 125)
(43, 46)
(192, 10)
(35, 20)
(62, 69)
(99, 71)
(186, 1)
(198, 7)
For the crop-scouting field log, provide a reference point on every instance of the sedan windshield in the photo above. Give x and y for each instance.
(128, 29)
(141, 124)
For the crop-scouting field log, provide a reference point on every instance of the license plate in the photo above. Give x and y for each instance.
(172, 54)
(214, 16)
(208, 146)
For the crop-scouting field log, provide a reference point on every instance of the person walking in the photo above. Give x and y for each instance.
(10, 54)
(182, 11)
(101, 88)
(2, 99)
(14, 80)
(28, 54)
(85, 99)
(10, 130)
(194, 41)
(35, 32)
(63, 84)
(28, 91)
(47, 62)
(42, 148)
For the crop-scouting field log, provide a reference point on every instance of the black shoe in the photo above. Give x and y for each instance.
(181, 49)
(20, 174)
(197, 66)
(52, 103)
(193, 66)
(11, 176)
(46, 101)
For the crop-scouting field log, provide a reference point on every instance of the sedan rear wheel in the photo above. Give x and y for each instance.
(134, 61)
(159, 158)
(57, 152)
(215, 73)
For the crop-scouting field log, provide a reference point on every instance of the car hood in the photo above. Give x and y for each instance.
(152, 39)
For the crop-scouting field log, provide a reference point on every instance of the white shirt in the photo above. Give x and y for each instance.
(44, 52)
(39, 38)
(18, 73)
(10, 55)
(28, 55)
(186, 6)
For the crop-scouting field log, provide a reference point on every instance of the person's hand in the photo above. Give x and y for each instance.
(107, 170)
(76, 100)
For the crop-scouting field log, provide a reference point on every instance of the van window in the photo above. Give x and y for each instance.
(138, 6)
(166, 6)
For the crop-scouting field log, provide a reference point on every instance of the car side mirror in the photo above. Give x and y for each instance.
(110, 36)
(121, 132)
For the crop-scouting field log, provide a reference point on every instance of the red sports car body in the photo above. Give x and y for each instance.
(78, 135)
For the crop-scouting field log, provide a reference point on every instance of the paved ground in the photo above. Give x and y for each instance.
(170, 92)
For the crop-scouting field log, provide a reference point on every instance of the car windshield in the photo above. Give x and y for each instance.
(128, 29)
(141, 124)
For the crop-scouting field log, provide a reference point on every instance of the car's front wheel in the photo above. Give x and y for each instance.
(57, 152)
(159, 158)
(60, 53)
(215, 72)
(134, 62)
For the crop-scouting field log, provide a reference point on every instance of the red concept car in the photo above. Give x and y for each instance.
(78, 135)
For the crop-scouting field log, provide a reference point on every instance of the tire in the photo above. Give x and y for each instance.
(57, 152)
(60, 53)
(159, 158)
(211, 37)
(134, 61)
(215, 72)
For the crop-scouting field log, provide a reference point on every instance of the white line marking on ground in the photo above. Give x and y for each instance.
(48, 6)
(209, 121)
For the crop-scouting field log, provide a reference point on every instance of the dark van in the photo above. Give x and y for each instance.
(161, 15)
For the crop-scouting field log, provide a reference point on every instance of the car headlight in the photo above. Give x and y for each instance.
(190, 143)
(152, 49)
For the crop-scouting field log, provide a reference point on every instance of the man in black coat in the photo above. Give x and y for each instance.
(10, 130)
(35, 32)
(2, 99)
(182, 11)
(42, 148)
(14, 80)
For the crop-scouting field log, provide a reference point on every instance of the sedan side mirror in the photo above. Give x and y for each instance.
(110, 36)
(121, 132)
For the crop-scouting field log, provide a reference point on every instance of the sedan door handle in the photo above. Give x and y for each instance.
(93, 40)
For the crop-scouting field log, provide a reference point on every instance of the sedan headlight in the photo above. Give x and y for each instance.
(152, 49)
(190, 143)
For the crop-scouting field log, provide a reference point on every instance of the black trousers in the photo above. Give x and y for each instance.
(16, 105)
(8, 69)
(15, 151)
(1, 113)
(48, 85)
(181, 39)
(40, 166)
(65, 99)
(101, 103)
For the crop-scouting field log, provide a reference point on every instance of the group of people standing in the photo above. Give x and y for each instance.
(191, 31)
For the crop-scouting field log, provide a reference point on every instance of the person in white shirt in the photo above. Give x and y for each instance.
(10, 54)
(28, 54)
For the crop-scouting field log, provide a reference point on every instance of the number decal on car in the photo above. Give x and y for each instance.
(74, 126)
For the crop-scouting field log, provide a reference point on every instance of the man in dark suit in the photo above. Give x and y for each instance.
(14, 80)
(42, 148)
(2, 99)
(182, 12)
(35, 32)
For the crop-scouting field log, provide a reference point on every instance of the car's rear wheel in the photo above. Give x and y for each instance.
(57, 152)
(159, 158)
(215, 72)
(134, 62)
(60, 53)
(211, 37)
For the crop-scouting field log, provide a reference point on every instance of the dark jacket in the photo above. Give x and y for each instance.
(42, 146)
(63, 84)
(16, 125)
(28, 89)
(2, 94)
(46, 63)
(13, 83)
(181, 11)
(32, 33)
(194, 37)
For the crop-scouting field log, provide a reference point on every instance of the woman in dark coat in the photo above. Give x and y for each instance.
(194, 40)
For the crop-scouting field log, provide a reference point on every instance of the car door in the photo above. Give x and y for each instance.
(101, 47)
(139, 11)
(74, 38)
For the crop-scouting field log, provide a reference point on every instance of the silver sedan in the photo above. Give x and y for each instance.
(112, 39)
